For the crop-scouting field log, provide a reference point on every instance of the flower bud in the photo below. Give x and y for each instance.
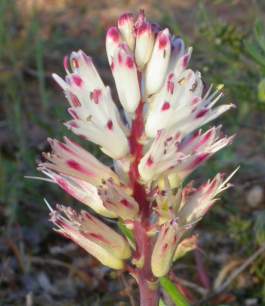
(83, 65)
(94, 112)
(197, 202)
(180, 57)
(145, 39)
(126, 79)
(186, 246)
(173, 102)
(70, 159)
(118, 201)
(165, 248)
(82, 191)
(113, 39)
(92, 235)
(126, 27)
(199, 148)
(156, 68)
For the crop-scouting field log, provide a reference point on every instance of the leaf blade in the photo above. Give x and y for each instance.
(173, 292)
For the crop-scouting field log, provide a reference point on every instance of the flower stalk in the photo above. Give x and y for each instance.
(155, 144)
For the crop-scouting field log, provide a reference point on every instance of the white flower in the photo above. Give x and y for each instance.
(94, 236)
(81, 190)
(195, 203)
(70, 159)
(95, 115)
(180, 104)
(170, 153)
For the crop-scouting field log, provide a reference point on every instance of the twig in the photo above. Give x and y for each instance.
(233, 276)
(11, 244)
(54, 262)
(29, 299)
(191, 285)
(128, 289)
(202, 273)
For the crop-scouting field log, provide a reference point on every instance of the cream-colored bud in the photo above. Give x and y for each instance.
(156, 68)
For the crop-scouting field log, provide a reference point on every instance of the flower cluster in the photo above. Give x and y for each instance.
(155, 141)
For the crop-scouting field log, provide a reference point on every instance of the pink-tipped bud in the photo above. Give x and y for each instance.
(198, 202)
(126, 79)
(156, 68)
(145, 39)
(113, 39)
(165, 248)
(126, 27)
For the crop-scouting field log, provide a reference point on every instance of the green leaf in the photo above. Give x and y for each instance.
(261, 90)
(260, 33)
(173, 292)
(259, 228)
(255, 53)
(162, 303)
(126, 232)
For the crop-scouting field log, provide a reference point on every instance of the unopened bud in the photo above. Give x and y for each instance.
(157, 66)
(144, 43)
(126, 79)
(126, 27)
(165, 248)
(113, 39)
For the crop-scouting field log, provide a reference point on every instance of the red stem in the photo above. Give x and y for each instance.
(146, 281)
(136, 149)
(144, 243)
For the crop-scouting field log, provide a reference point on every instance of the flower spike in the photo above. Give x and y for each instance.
(156, 138)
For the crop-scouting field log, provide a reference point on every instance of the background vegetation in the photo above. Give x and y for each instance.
(39, 268)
